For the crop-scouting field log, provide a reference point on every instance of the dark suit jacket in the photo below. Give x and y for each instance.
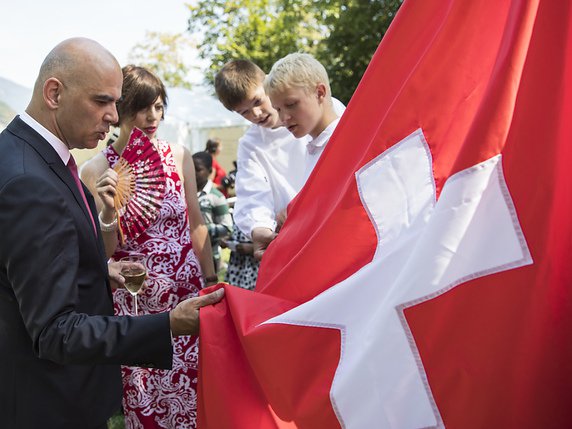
(60, 345)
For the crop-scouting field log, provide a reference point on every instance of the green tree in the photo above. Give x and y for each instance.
(342, 34)
(354, 34)
(167, 55)
(260, 30)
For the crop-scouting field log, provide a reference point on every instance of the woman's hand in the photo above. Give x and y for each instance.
(106, 187)
(117, 281)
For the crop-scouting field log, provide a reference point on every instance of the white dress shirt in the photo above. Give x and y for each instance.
(270, 172)
(59, 146)
(272, 167)
(316, 146)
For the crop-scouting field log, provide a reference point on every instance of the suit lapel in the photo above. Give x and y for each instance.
(65, 175)
(52, 159)
(48, 153)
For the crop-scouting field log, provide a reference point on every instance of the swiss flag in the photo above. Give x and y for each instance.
(424, 275)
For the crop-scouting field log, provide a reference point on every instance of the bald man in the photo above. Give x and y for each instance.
(60, 345)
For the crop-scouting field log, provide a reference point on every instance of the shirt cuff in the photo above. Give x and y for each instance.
(271, 225)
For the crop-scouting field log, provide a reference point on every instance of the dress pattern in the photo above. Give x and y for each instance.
(242, 270)
(156, 398)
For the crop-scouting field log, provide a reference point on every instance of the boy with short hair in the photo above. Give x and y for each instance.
(270, 160)
(213, 205)
(299, 89)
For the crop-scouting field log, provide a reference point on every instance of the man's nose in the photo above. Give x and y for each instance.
(111, 115)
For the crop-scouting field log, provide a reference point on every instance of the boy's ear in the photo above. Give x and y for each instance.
(321, 91)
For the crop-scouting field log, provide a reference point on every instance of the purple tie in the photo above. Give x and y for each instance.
(73, 169)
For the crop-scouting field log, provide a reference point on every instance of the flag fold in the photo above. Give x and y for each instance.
(423, 276)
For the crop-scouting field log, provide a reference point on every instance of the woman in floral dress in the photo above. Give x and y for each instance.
(177, 250)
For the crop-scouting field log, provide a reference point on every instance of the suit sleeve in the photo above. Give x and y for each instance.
(60, 286)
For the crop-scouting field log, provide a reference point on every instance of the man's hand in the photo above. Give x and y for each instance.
(185, 316)
(261, 238)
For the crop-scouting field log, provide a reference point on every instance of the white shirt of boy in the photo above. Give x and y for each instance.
(315, 147)
(271, 165)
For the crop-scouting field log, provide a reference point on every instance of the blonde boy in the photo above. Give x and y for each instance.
(272, 163)
(299, 89)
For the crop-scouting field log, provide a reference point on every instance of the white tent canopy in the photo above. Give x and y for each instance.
(191, 114)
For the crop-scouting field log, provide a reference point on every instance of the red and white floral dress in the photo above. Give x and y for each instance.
(156, 398)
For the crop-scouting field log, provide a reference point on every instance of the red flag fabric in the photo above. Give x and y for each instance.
(422, 278)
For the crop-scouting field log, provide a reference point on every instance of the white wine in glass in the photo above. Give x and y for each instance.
(134, 271)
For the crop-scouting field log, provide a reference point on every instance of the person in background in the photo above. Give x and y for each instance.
(214, 148)
(228, 182)
(271, 162)
(177, 250)
(213, 205)
(60, 344)
(242, 268)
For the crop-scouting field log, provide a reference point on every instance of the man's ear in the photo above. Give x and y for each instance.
(52, 92)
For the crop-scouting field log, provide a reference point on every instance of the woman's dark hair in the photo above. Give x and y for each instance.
(212, 145)
(141, 88)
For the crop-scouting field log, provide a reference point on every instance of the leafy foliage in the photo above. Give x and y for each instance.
(260, 30)
(355, 33)
(117, 421)
(342, 34)
(167, 56)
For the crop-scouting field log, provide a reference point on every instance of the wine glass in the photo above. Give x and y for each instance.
(134, 271)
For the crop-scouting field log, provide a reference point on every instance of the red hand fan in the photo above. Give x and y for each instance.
(140, 187)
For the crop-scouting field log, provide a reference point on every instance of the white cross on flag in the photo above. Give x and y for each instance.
(423, 277)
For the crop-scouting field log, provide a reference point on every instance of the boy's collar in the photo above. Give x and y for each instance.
(317, 143)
